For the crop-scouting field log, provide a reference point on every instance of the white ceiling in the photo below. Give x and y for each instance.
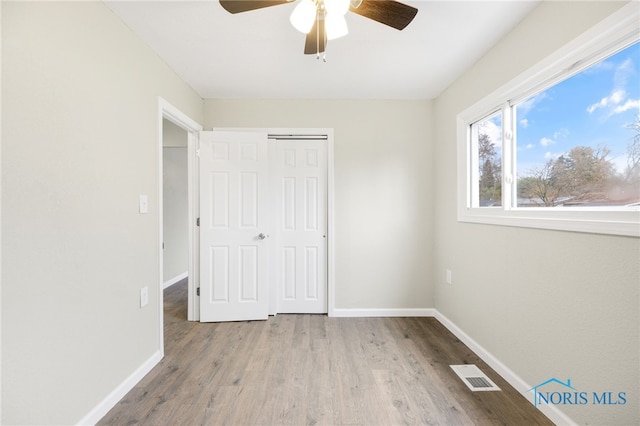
(259, 55)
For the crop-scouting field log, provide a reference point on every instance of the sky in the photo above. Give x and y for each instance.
(592, 108)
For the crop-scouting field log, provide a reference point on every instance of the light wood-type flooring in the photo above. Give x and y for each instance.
(314, 370)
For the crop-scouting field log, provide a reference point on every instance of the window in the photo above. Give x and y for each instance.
(486, 140)
(578, 142)
(561, 148)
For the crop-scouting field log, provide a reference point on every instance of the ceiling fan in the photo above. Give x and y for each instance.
(323, 20)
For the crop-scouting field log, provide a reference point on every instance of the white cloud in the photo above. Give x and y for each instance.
(630, 104)
(614, 98)
(546, 141)
(491, 129)
(623, 72)
(526, 106)
(626, 66)
(603, 103)
(600, 66)
(562, 133)
(558, 134)
(524, 123)
(618, 96)
(525, 147)
(617, 102)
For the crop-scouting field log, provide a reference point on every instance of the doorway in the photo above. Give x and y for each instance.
(175, 196)
(168, 112)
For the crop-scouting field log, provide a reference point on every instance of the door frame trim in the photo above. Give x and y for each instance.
(330, 204)
(169, 112)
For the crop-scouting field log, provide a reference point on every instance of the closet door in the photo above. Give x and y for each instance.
(300, 186)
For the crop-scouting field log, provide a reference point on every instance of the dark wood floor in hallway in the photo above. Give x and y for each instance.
(313, 370)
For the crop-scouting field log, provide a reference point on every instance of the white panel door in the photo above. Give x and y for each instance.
(300, 187)
(233, 226)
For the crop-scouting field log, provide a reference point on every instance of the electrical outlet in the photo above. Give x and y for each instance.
(449, 277)
(144, 296)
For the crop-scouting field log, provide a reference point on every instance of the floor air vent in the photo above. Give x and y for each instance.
(475, 379)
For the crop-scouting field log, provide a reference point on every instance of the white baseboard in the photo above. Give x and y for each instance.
(362, 313)
(175, 279)
(551, 411)
(119, 392)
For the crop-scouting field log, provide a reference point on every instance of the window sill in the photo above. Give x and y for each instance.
(591, 221)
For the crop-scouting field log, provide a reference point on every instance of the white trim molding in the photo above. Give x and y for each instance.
(372, 313)
(100, 410)
(331, 245)
(551, 411)
(175, 279)
(177, 117)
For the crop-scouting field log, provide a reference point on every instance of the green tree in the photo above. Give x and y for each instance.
(490, 185)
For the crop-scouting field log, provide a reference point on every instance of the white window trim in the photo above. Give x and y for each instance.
(621, 28)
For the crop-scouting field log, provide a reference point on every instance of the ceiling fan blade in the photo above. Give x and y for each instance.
(316, 38)
(389, 12)
(237, 6)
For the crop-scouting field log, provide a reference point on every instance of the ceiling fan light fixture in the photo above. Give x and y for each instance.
(323, 20)
(303, 16)
(336, 26)
(337, 7)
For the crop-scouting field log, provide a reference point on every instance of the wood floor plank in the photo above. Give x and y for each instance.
(314, 370)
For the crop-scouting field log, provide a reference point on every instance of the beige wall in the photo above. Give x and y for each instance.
(75, 249)
(383, 191)
(546, 304)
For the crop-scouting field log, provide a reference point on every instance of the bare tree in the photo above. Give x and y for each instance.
(540, 185)
(632, 172)
(580, 175)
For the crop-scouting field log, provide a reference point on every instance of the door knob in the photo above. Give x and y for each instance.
(262, 236)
